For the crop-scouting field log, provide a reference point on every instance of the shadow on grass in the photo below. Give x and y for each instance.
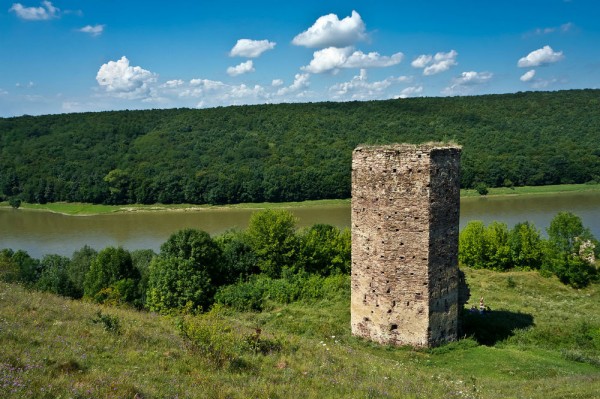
(491, 327)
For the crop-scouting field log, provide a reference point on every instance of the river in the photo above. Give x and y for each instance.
(41, 233)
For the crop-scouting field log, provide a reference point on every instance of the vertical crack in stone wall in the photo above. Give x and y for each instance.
(405, 209)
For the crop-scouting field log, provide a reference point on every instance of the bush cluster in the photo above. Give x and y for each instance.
(568, 252)
(270, 261)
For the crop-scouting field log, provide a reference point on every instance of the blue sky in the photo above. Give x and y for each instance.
(72, 56)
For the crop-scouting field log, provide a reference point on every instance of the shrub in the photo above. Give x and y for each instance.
(14, 202)
(185, 273)
(482, 188)
(238, 258)
(54, 277)
(272, 236)
(79, 265)
(141, 260)
(325, 250)
(177, 284)
(109, 323)
(109, 267)
(564, 256)
(472, 249)
(526, 246)
(255, 293)
(496, 241)
(221, 342)
(566, 234)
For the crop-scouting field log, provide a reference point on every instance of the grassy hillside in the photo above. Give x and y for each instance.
(291, 152)
(542, 341)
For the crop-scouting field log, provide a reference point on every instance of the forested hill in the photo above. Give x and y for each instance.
(291, 151)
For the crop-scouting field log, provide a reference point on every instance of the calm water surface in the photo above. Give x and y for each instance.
(41, 233)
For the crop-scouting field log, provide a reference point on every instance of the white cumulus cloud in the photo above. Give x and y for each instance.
(251, 48)
(466, 82)
(301, 81)
(334, 58)
(330, 31)
(542, 56)
(411, 91)
(240, 69)
(421, 61)
(120, 79)
(360, 88)
(45, 12)
(277, 82)
(441, 63)
(434, 64)
(527, 76)
(95, 30)
(173, 83)
(358, 59)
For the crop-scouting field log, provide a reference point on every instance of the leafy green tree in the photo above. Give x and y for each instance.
(110, 266)
(273, 238)
(197, 246)
(29, 268)
(141, 260)
(563, 257)
(325, 250)
(570, 269)
(54, 277)
(14, 202)
(482, 189)
(177, 283)
(79, 266)
(239, 259)
(9, 270)
(185, 273)
(496, 241)
(566, 233)
(526, 246)
(118, 184)
(472, 248)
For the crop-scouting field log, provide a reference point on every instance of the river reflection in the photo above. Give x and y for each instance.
(41, 233)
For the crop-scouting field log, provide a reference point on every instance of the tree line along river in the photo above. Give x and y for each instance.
(40, 233)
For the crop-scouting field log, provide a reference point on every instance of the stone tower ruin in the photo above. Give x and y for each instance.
(405, 211)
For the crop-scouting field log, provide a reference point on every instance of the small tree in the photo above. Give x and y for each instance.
(141, 260)
(239, 260)
(482, 189)
(186, 272)
(526, 246)
(177, 283)
(54, 277)
(498, 250)
(472, 249)
(325, 250)
(29, 268)
(272, 236)
(566, 235)
(80, 264)
(14, 202)
(108, 268)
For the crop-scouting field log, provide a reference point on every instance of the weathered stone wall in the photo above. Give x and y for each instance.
(405, 209)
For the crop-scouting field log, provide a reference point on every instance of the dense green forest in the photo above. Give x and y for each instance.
(290, 152)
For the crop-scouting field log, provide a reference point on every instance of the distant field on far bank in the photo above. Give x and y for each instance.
(76, 208)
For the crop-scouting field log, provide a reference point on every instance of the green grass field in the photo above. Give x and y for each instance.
(542, 340)
(91, 209)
